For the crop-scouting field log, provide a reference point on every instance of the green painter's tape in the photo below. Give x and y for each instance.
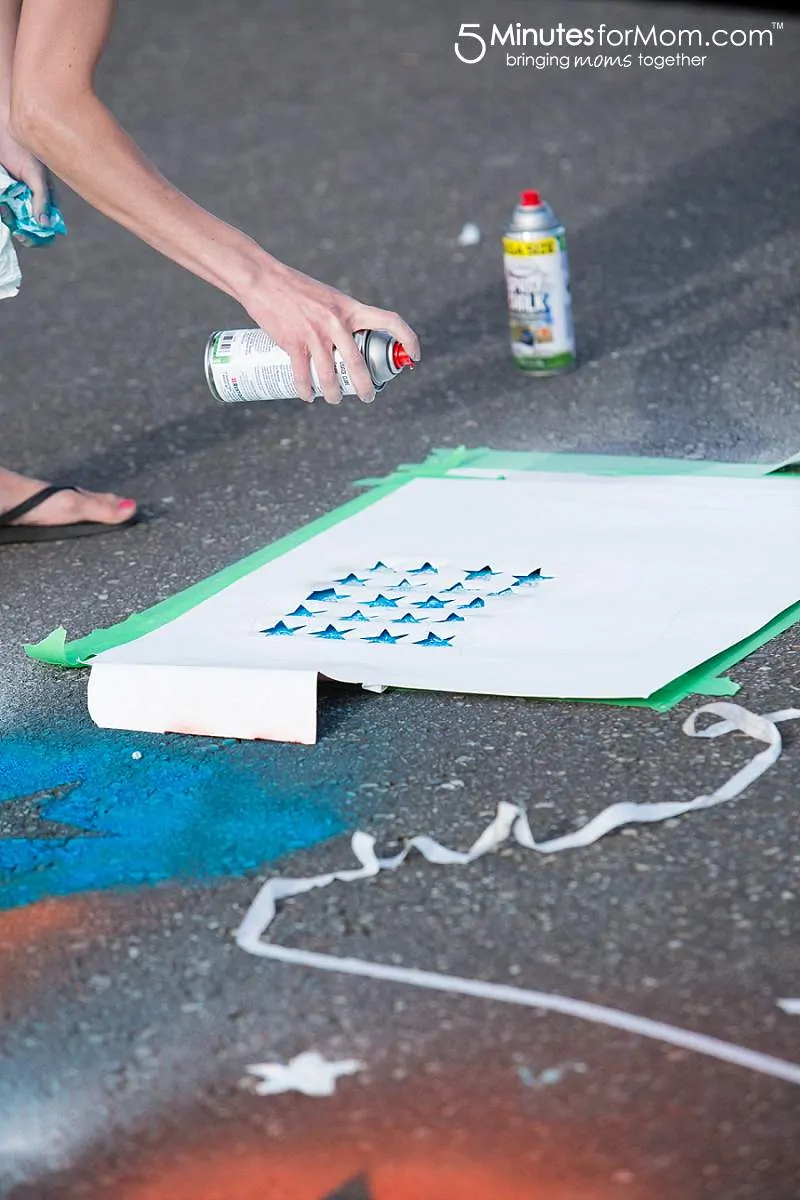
(707, 679)
(586, 464)
(58, 652)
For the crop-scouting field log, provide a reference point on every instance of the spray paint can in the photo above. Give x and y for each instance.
(246, 364)
(537, 280)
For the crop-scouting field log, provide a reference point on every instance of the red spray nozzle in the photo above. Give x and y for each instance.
(400, 357)
(530, 199)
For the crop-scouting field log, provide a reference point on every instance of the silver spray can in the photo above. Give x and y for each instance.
(246, 364)
(537, 280)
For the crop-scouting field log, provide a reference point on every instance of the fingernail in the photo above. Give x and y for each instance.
(369, 398)
(123, 504)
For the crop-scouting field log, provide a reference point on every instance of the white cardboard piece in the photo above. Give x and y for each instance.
(648, 578)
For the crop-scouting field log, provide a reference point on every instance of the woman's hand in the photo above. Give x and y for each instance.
(23, 166)
(309, 320)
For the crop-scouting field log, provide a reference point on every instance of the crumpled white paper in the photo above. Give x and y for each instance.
(309, 1073)
(511, 821)
(10, 274)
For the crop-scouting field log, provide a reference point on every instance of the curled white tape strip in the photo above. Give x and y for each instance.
(511, 821)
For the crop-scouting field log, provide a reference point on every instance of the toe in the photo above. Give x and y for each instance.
(104, 507)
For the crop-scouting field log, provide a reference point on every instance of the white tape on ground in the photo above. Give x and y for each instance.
(511, 821)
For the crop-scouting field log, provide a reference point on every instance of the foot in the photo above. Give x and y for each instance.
(65, 508)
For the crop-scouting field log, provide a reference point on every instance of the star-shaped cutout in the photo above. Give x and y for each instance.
(481, 573)
(379, 566)
(456, 587)
(426, 569)
(302, 611)
(505, 592)
(356, 616)
(403, 586)
(449, 620)
(351, 578)
(326, 594)
(531, 577)
(431, 602)
(281, 629)
(433, 640)
(332, 633)
(476, 603)
(382, 602)
(385, 638)
(408, 619)
(308, 1073)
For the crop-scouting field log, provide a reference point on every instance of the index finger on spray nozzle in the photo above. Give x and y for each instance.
(393, 323)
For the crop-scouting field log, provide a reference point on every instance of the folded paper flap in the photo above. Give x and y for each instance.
(207, 701)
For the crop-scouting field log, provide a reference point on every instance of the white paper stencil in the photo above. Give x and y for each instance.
(553, 585)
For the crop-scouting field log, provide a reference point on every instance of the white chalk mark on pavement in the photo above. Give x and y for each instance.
(309, 1073)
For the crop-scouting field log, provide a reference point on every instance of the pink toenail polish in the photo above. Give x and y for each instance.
(127, 503)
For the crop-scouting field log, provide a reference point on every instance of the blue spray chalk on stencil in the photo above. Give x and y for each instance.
(450, 620)
(327, 594)
(481, 573)
(403, 586)
(332, 633)
(351, 578)
(409, 619)
(509, 591)
(456, 587)
(379, 566)
(381, 602)
(426, 569)
(282, 630)
(476, 603)
(433, 640)
(431, 602)
(302, 611)
(355, 616)
(188, 811)
(532, 577)
(385, 638)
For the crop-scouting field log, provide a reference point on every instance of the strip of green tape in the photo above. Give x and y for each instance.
(56, 651)
(705, 679)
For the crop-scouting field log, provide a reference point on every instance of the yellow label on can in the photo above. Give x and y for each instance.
(547, 245)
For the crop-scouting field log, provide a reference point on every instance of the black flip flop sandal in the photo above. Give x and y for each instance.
(11, 534)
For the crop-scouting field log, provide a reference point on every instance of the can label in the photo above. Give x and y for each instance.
(246, 364)
(539, 302)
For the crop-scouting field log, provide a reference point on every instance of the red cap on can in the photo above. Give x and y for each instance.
(530, 199)
(400, 356)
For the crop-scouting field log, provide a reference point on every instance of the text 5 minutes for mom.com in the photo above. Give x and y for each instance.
(642, 46)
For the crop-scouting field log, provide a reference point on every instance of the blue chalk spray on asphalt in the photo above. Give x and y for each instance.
(185, 811)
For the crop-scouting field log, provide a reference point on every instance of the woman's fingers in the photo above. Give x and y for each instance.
(301, 370)
(366, 317)
(37, 182)
(322, 357)
(356, 366)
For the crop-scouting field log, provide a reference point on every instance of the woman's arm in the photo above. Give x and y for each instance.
(57, 116)
(9, 20)
(16, 160)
